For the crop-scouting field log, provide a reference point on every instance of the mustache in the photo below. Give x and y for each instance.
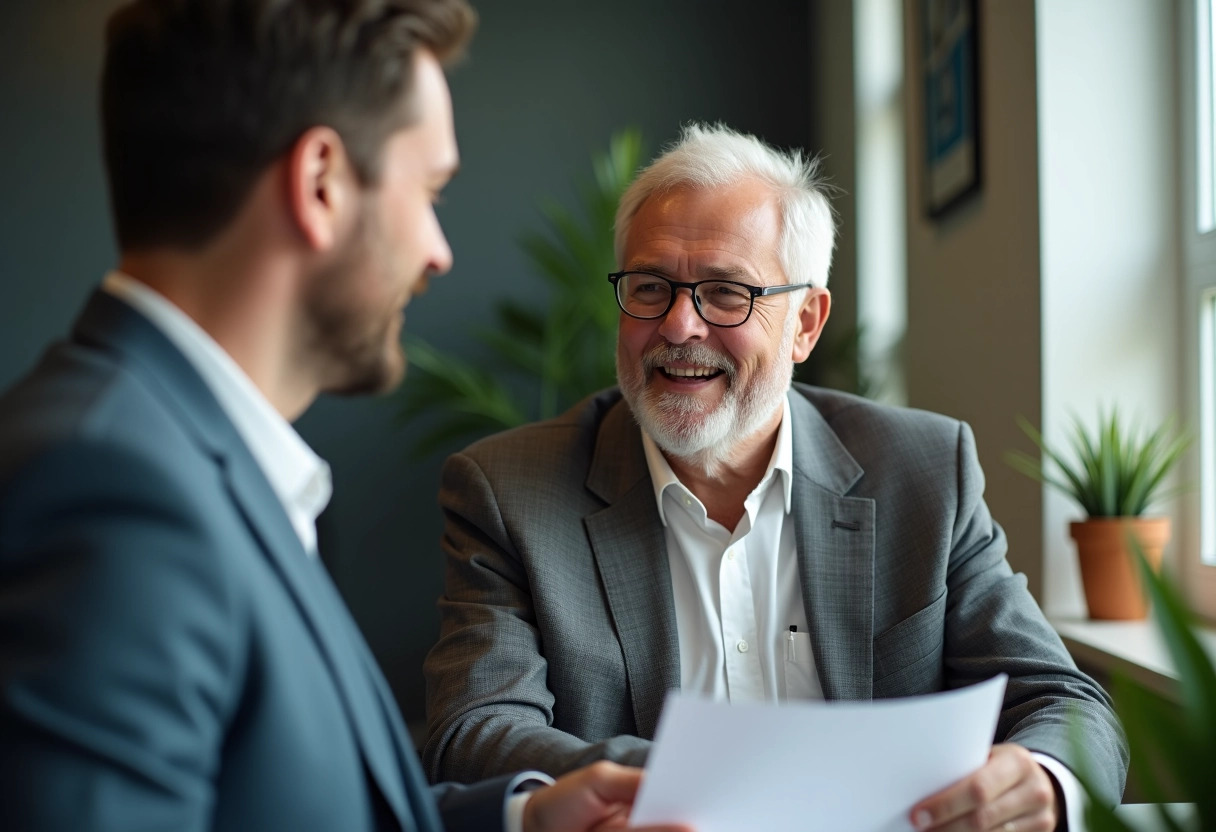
(698, 354)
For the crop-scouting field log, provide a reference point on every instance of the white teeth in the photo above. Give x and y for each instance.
(690, 372)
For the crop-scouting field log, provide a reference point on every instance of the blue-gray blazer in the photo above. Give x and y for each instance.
(169, 656)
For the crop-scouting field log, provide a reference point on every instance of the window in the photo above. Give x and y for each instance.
(881, 246)
(1207, 429)
(1197, 542)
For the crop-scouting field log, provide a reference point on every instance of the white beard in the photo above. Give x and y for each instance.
(697, 434)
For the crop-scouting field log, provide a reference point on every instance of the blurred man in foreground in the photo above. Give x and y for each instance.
(173, 655)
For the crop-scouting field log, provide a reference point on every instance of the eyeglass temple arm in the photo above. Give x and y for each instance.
(777, 290)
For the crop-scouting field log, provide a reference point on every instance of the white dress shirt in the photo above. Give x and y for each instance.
(738, 596)
(740, 619)
(299, 478)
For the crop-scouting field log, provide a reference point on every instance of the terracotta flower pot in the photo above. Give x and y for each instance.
(1112, 587)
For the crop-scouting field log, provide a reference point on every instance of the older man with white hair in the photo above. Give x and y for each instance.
(711, 527)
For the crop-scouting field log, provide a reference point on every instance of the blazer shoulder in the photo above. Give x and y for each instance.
(77, 396)
(562, 442)
(873, 429)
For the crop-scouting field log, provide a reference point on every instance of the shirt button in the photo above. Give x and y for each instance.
(730, 555)
(742, 645)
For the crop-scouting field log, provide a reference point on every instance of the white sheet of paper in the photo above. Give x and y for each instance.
(805, 766)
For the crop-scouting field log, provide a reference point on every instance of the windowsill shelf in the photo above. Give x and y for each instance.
(1132, 648)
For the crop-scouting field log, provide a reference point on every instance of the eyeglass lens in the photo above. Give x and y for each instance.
(648, 296)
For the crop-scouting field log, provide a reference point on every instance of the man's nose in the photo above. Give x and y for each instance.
(441, 256)
(682, 322)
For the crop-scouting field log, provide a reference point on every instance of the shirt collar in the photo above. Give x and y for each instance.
(782, 461)
(301, 479)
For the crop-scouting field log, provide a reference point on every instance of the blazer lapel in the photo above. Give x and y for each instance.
(424, 810)
(834, 535)
(328, 618)
(631, 553)
(110, 324)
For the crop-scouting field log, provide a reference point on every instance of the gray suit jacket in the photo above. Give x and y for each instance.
(559, 639)
(170, 658)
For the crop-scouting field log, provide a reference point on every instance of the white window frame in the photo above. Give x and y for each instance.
(1196, 538)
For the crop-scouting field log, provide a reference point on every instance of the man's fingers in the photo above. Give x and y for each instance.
(616, 784)
(1031, 822)
(613, 783)
(1021, 809)
(1006, 766)
(597, 798)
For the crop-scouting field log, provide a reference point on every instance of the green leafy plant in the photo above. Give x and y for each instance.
(1172, 745)
(539, 359)
(1116, 471)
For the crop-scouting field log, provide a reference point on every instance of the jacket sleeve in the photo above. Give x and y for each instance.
(118, 651)
(481, 807)
(994, 625)
(489, 707)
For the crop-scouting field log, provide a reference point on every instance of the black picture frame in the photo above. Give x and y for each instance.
(950, 62)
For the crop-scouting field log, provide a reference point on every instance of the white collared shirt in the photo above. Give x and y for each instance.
(300, 479)
(737, 593)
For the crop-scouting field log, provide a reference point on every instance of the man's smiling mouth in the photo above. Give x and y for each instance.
(690, 373)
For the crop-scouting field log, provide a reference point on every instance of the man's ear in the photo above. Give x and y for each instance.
(321, 184)
(812, 315)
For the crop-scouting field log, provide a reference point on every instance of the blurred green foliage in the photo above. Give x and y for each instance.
(1173, 746)
(541, 358)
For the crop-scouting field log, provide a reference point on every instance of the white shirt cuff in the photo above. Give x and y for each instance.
(514, 821)
(523, 785)
(1073, 809)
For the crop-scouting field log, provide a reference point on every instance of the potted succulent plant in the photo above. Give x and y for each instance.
(1114, 474)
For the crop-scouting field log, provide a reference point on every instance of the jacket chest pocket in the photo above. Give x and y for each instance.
(908, 655)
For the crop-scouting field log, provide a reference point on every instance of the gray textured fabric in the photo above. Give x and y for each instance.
(558, 639)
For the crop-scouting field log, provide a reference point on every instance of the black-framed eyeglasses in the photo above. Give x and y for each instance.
(723, 303)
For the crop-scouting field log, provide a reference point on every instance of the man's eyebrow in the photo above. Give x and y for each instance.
(726, 273)
(710, 272)
(647, 267)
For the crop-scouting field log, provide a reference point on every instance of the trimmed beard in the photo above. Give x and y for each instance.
(684, 427)
(351, 344)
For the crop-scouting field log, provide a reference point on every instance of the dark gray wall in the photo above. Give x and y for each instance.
(546, 83)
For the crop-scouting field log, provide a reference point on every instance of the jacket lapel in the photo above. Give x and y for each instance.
(110, 324)
(329, 620)
(834, 535)
(631, 553)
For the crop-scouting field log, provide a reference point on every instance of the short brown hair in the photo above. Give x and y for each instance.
(198, 97)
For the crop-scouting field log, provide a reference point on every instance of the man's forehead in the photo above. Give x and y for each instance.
(432, 133)
(714, 232)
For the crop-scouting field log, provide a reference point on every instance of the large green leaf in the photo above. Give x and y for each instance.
(1173, 745)
(1098, 816)
(1197, 677)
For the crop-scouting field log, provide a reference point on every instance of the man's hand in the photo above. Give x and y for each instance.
(592, 798)
(1009, 793)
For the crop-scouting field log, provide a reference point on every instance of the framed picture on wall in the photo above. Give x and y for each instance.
(952, 141)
